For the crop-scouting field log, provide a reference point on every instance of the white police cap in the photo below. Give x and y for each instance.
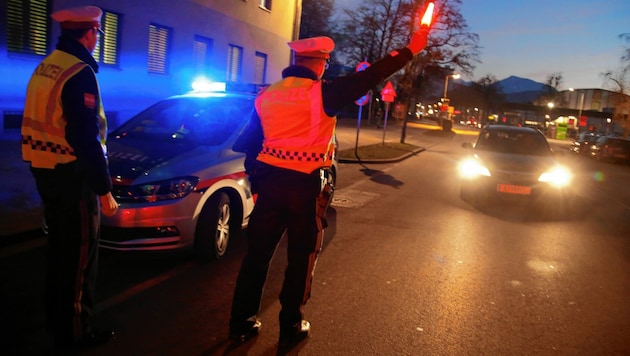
(317, 47)
(83, 17)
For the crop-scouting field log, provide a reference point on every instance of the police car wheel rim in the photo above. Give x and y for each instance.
(222, 233)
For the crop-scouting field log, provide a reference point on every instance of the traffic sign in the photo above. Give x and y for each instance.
(365, 98)
(388, 93)
(362, 100)
(362, 66)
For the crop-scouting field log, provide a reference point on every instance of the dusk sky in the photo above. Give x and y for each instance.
(534, 38)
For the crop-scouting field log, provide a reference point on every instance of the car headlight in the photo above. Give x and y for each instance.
(471, 168)
(174, 188)
(557, 176)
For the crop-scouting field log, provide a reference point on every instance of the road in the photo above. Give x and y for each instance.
(407, 268)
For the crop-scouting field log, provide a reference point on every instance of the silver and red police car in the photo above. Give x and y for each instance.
(176, 177)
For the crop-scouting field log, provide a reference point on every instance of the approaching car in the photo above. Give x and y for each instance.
(584, 142)
(176, 177)
(513, 163)
(613, 149)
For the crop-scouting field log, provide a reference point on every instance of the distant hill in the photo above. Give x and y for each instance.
(513, 84)
(521, 90)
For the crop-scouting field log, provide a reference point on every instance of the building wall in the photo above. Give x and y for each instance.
(128, 87)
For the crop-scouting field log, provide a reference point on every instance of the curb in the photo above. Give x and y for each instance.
(382, 160)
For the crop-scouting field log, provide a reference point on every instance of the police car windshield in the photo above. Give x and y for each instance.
(195, 120)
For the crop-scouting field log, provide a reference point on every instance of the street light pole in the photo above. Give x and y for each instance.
(446, 116)
(454, 76)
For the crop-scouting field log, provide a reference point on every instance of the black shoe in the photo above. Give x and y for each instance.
(95, 337)
(295, 334)
(246, 331)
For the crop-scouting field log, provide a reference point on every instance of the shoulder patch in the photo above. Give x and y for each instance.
(89, 100)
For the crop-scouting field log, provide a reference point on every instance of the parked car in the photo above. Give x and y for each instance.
(177, 179)
(512, 163)
(612, 149)
(582, 145)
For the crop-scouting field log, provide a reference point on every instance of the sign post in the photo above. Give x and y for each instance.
(387, 94)
(361, 102)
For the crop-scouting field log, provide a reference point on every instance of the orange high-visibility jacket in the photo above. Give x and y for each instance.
(298, 134)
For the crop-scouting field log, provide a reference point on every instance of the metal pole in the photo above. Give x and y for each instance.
(580, 110)
(385, 120)
(356, 142)
(445, 85)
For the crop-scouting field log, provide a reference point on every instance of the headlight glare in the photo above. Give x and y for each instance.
(471, 168)
(557, 176)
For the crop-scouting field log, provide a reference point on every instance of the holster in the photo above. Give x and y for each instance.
(323, 202)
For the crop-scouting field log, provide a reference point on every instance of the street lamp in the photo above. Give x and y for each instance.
(454, 76)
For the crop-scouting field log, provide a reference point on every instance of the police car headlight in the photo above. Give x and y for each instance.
(557, 176)
(168, 189)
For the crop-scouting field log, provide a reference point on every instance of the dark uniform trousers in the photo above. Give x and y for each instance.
(286, 201)
(72, 215)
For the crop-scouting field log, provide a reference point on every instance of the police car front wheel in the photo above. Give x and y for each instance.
(212, 234)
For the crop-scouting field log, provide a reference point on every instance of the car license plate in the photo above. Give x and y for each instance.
(514, 189)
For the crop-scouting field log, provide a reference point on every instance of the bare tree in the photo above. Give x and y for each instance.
(619, 81)
(488, 93)
(316, 15)
(550, 91)
(378, 26)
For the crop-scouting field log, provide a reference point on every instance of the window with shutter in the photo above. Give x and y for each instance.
(159, 37)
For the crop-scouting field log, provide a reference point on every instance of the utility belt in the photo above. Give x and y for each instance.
(259, 168)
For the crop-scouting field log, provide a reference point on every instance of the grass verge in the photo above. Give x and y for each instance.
(387, 150)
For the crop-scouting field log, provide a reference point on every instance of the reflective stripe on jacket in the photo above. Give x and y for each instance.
(298, 135)
(43, 126)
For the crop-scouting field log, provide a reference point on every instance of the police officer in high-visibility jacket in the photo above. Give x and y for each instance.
(289, 139)
(63, 139)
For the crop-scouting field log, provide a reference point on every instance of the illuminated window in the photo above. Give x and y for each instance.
(261, 68)
(106, 50)
(27, 26)
(235, 60)
(202, 52)
(159, 37)
(265, 4)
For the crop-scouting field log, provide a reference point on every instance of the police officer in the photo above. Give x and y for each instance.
(63, 137)
(289, 139)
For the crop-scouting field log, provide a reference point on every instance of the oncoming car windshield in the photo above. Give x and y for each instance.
(517, 142)
(191, 120)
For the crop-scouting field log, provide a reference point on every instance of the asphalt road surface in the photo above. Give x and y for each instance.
(407, 268)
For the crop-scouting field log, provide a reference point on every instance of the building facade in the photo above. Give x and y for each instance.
(598, 109)
(151, 49)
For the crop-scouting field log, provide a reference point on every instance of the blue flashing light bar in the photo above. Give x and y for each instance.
(202, 84)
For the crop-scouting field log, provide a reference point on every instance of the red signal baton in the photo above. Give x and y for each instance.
(428, 15)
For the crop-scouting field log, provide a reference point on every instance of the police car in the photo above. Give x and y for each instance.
(176, 177)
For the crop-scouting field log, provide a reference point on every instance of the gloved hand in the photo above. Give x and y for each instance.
(252, 169)
(419, 40)
(109, 206)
